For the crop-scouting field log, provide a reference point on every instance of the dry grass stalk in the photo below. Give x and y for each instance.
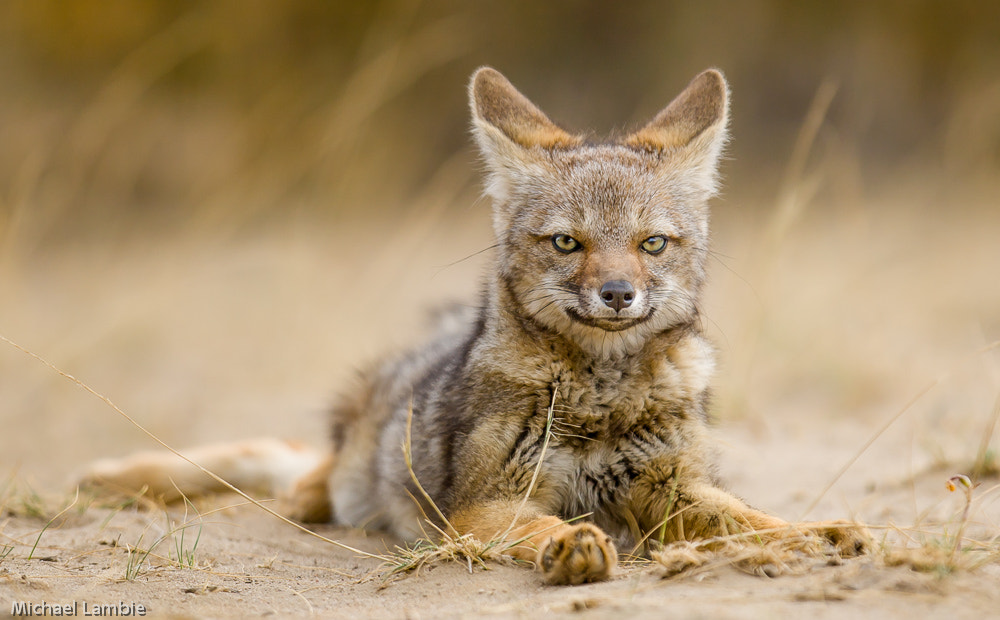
(986, 459)
(943, 553)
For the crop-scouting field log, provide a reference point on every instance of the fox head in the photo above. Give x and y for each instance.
(604, 244)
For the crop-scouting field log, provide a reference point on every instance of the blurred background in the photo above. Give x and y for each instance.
(212, 212)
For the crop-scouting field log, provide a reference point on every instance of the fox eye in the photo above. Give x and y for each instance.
(654, 245)
(565, 243)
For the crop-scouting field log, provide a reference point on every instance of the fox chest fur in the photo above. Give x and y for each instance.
(574, 431)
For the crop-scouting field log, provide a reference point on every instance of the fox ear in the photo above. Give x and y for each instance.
(510, 130)
(498, 107)
(692, 129)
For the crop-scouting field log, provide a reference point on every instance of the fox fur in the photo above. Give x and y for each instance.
(586, 345)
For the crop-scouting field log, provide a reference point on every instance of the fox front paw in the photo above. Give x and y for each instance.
(577, 554)
(849, 539)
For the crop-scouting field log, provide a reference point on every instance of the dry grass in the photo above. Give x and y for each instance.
(465, 550)
(947, 549)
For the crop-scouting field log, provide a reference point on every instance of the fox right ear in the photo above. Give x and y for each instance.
(498, 106)
(510, 130)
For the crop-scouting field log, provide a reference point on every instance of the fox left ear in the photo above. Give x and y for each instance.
(691, 131)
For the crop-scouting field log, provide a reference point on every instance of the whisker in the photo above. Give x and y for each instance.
(441, 268)
(574, 436)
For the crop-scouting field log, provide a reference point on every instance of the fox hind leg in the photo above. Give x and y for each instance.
(308, 500)
(269, 466)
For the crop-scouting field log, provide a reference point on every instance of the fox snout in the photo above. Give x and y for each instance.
(617, 294)
(608, 279)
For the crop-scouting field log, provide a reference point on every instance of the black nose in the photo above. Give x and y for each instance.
(617, 294)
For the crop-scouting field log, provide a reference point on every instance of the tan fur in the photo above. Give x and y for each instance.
(261, 464)
(579, 386)
(514, 115)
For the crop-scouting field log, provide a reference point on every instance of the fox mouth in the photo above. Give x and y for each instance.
(609, 324)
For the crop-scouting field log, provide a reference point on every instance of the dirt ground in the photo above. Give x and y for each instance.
(830, 326)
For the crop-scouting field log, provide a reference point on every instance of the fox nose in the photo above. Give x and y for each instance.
(617, 294)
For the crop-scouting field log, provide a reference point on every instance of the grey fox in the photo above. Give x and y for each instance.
(586, 345)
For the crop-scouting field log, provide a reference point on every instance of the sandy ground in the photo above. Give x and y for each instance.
(827, 330)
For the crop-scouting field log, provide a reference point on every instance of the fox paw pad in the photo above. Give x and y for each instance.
(578, 554)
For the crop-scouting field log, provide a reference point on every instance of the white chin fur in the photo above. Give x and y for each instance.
(602, 343)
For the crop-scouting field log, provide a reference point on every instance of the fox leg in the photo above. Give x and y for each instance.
(308, 500)
(266, 465)
(849, 538)
(702, 510)
(565, 553)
